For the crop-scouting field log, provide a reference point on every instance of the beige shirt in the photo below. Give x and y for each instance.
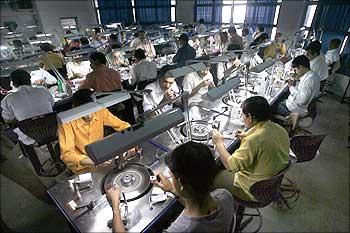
(263, 153)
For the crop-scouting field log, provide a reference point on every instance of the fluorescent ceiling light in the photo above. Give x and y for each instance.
(43, 35)
(32, 26)
(86, 109)
(117, 143)
(262, 66)
(40, 42)
(217, 92)
(2, 47)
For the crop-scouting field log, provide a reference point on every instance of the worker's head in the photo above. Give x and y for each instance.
(223, 37)
(84, 41)
(232, 31)
(262, 38)
(313, 49)
(20, 77)
(203, 72)
(261, 28)
(166, 80)
(201, 21)
(113, 37)
(46, 47)
(192, 168)
(140, 55)
(82, 96)
(97, 59)
(141, 34)
(183, 39)
(245, 31)
(254, 110)
(17, 43)
(334, 43)
(301, 65)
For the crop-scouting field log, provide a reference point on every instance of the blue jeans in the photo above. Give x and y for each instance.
(282, 109)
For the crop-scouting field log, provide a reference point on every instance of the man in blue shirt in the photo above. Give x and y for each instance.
(185, 52)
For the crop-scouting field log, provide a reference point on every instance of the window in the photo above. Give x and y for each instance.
(311, 9)
(209, 10)
(69, 23)
(135, 11)
(153, 11)
(113, 11)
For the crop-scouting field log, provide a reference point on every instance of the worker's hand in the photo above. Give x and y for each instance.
(87, 162)
(169, 94)
(113, 196)
(290, 83)
(240, 134)
(39, 82)
(217, 137)
(164, 183)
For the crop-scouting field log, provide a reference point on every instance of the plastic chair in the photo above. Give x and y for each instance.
(42, 129)
(305, 148)
(265, 192)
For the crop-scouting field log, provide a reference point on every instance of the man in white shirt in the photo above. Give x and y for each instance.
(332, 55)
(163, 90)
(258, 32)
(141, 42)
(143, 71)
(77, 68)
(25, 103)
(198, 84)
(247, 39)
(201, 28)
(317, 61)
(300, 96)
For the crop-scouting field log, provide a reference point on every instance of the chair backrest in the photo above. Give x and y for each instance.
(312, 108)
(43, 128)
(306, 147)
(267, 191)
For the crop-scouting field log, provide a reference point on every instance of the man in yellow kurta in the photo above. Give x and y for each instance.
(263, 153)
(75, 135)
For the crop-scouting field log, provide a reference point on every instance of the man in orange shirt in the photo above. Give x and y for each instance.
(101, 78)
(75, 135)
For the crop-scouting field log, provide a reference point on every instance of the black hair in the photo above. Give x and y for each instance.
(301, 60)
(232, 29)
(164, 70)
(261, 38)
(20, 77)
(140, 54)
(84, 40)
(183, 37)
(258, 108)
(245, 30)
(201, 20)
(261, 28)
(194, 164)
(314, 47)
(97, 56)
(139, 32)
(336, 42)
(81, 97)
(17, 43)
(113, 36)
(46, 47)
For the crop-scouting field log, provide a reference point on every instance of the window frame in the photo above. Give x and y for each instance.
(155, 6)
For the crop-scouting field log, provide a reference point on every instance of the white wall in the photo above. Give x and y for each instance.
(51, 11)
(185, 11)
(292, 15)
(21, 17)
